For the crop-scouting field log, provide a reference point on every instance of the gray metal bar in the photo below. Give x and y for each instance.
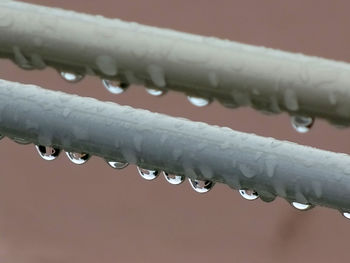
(176, 145)
(233, 73)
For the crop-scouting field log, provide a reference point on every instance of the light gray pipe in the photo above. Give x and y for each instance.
(176, 145)
(234, 73)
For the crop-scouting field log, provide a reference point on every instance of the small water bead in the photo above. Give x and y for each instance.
(157, 75)
(173, 178)
(20, 59)
(201, 186)
(302, 124)
(148, 174)
(107, 65)
(115, 87)
(249, 194)
(301, 206)
(47, 153)
(20, 141)
(117, 165)
(291, 100)
(71, 77)
(199, 102)
(155, 92)
(6, 20)
(78, 158)
(346, 215)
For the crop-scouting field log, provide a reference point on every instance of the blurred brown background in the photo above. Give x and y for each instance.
(60, 212)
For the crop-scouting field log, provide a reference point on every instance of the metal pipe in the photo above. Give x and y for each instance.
(235, 74)
(175, 145)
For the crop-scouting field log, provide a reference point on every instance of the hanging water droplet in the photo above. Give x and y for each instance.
(173, 178)
(155, 92)
(249, 194)
(20, 141)
(346, 215)
(157, 76)
(201, 186)
(6, 20)
(71, 77)
(291, 100)
(107, 65)
(301, 206)
(302, 124)
(199, 102)
(20, 59)
(78, 158)
(117, 165)
(148, 174)
(47, 153)
(115, 87)
(37, 61)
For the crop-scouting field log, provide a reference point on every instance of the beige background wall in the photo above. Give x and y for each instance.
(59, 212)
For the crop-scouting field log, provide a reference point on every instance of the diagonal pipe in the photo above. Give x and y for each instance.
(235, 74)
(175, 145)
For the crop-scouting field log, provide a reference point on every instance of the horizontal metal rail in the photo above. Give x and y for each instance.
(235, 74)
(175, 145)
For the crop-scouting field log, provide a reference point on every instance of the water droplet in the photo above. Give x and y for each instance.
(5, 20)
(332, 97)
(117, 165)
(107, 65)
(71, 77)
(266, 196)
(248, 171)
(173, 178)
(270, 165)
(20, 140)
(346, 215)
(199, 102)
(37, 61)
(66, 112)
(157, 75)
(115, 87)
(302, 124)
(301, 206)
(148, 174)
(78, 158)
(155, 92)
(291, 100)
(47, 153)
(249, 194)
(241, 98)
(20, 59)
(201, 186)
(213, 79)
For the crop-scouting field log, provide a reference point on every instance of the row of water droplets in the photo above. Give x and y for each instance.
(200, 186)
(118, 87)
(50, 153)
(301, 124)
